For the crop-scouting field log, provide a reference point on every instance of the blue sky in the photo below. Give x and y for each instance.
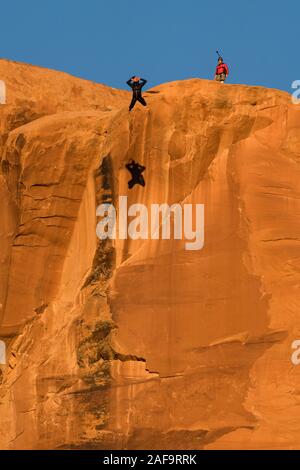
(161, 40)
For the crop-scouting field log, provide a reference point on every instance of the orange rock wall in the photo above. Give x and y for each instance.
(140, 343)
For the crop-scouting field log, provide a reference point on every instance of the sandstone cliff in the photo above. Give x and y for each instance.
(142, 344)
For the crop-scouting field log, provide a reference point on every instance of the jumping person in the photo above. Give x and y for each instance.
(136, 171)
(136, 84)
(222, 71)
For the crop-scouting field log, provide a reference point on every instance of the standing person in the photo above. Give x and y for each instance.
(136, 84)
(222, 71)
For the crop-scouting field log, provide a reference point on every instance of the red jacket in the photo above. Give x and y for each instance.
(222, 68)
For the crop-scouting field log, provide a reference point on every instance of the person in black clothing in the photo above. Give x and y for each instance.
(136, 171)
(136, 84)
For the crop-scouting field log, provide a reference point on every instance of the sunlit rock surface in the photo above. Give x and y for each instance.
(132, 344)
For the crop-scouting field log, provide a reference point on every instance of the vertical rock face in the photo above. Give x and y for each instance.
(142, 343)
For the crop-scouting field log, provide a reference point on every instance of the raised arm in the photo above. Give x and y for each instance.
(129, 82)
(143, 82)
(130, 166)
